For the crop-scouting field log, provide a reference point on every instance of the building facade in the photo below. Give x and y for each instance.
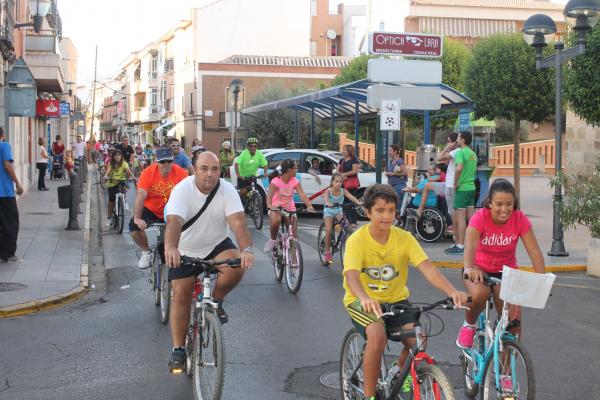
(52, 62)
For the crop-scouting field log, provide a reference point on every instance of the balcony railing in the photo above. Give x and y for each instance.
(7, 22)
(45, 41)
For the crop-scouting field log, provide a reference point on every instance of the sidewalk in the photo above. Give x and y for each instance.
(536, 202)
(53, 265)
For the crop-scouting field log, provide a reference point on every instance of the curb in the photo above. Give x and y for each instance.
(529, 268)
(51, 302)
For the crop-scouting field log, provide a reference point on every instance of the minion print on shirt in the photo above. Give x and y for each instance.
(383, 268)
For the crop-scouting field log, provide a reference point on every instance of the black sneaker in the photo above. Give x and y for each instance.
(177, 362)
(221, 313)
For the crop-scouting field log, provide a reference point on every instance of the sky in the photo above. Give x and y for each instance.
(120, 27)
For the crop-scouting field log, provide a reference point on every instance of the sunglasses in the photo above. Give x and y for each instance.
(165, 161)
(175, 145)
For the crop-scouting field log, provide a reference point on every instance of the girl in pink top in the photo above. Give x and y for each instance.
(281, 194)
(491, 242)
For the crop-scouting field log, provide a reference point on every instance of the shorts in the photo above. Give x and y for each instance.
(361, 319)
(438, 188)
(449, 194)
(244, 182)
(464, 199)
(185, 272)
(112, 192)
(147, 216)
(331, 212)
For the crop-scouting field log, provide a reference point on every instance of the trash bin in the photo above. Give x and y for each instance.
(64, 196)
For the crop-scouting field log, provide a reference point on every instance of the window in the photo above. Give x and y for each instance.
(314, 6)
(153, 74)
(325, 164)
(137, 74)
(276, 159)
(313, 48)
(140, 100)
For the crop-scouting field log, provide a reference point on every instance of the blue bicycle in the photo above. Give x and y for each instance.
(497, 366)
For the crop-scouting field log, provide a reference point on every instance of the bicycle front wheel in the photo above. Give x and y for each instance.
(209, 371)
(321, 243)
(351, 373)
(432, 383)
(155, 275)
(121, 214)
(165, 292)
(294, 267)
(256, 210)
(516, 378)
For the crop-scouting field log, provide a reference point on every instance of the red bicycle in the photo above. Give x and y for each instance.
(429, 382)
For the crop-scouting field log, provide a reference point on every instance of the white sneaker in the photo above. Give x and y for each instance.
(269, 246)
(108, 223)
(145, 260)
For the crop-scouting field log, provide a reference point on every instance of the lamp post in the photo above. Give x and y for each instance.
(38, 10)
(236, 87)
(538, 31)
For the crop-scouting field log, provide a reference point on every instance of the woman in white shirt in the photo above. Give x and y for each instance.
(41, 163)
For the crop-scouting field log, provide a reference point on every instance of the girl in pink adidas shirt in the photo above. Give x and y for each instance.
(491, 242)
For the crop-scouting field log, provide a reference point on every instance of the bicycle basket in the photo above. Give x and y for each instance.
(526, 289)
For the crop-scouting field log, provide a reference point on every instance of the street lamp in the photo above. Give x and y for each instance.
(38, 10)
(236, 86)
(538, 31)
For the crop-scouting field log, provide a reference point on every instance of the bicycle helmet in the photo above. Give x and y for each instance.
(227, 144)
(252, 140)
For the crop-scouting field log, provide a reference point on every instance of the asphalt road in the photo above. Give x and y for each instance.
(111, 345)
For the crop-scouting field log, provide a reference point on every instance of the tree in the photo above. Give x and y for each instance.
(502, 80)
(273, 128)
(454, 62)
(582, 81)
(356, 70)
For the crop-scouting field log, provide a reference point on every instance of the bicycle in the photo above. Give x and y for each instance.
(118, 216)
(497, 356)
(287, 253)
(340, 232)
(428, 380)
(253, 203)
(159, 274)
(204, 343)
(429, 228)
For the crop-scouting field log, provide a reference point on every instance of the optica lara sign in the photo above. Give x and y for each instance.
(409, 44)
(47, 108)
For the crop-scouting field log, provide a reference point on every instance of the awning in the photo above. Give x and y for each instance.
(343, 100)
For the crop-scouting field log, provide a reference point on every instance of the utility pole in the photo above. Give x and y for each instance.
(94, 93)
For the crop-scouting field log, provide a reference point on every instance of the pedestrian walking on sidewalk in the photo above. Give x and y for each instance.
(9, 214)
(41, 163)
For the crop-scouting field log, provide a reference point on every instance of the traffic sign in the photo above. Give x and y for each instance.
(411, 97)
(464, 120)
(404, 71)
(390, 115)
(408, 44)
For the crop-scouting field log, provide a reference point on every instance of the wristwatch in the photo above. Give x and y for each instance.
(249, 249)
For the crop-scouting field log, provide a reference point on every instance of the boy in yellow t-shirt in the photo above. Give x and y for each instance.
(376, 271)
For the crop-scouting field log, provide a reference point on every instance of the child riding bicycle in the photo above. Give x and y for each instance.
(491, 243)
(376, 272)
(281, 194)
(334, 194)
(116, 173)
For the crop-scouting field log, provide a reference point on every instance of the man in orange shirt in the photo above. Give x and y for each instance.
(153, 191)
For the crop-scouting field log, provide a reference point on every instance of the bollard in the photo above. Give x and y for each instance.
(73, 224)
(77, 188)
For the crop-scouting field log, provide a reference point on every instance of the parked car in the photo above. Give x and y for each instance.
(328, 162)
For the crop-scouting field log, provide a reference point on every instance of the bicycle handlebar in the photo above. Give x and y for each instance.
(487, 280)
(390, 310)
(210, 264)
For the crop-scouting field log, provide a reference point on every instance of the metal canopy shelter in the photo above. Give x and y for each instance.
(349, 100)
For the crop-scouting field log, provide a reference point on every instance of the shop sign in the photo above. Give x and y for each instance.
(47, 108)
